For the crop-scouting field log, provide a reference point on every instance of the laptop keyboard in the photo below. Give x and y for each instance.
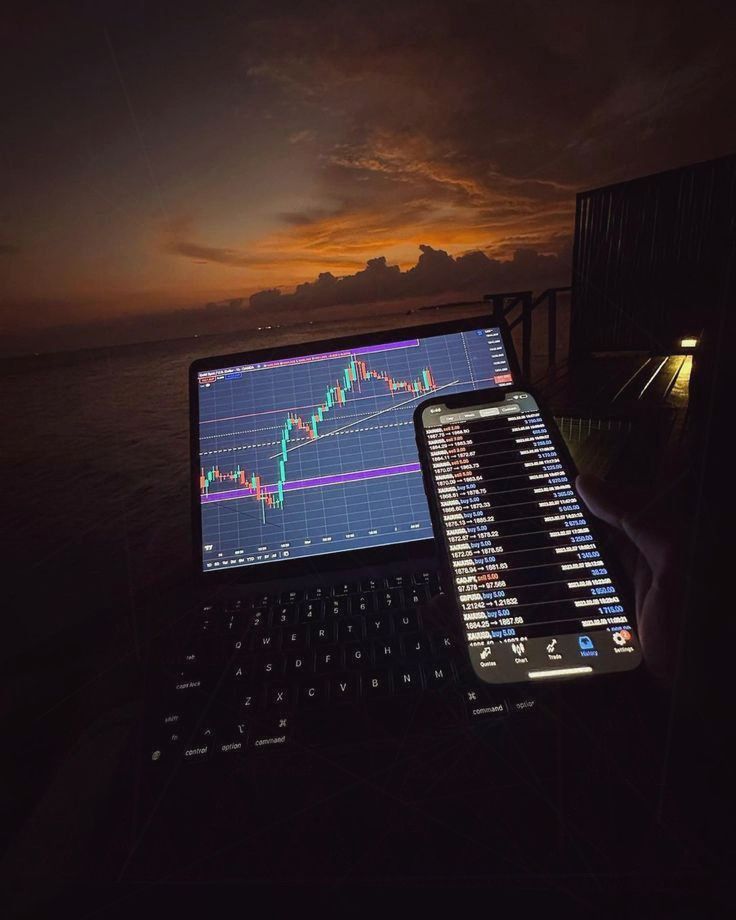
(254, 666)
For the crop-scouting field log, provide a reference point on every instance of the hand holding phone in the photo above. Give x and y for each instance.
(539, 592)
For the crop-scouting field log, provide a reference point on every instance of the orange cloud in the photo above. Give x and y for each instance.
(389, 193)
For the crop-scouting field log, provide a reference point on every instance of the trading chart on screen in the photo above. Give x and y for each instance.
(316, 454)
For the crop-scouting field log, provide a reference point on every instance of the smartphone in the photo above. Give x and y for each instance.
(534, 577)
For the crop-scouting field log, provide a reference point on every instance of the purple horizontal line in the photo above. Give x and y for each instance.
(310, 359)
(354, 476)
(387, 346)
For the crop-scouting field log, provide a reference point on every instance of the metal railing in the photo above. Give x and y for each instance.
(503, 303)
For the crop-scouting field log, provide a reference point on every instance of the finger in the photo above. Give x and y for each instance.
(659, 529)
(654, 526)
(659, 545)
(609, 503)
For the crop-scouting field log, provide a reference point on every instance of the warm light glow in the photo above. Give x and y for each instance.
(688, 343)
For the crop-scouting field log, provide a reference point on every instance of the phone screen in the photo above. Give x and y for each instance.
(531, 576)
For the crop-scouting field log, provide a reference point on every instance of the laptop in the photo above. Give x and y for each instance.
(321, 616)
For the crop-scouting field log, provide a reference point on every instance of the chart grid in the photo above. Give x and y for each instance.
(313, 455)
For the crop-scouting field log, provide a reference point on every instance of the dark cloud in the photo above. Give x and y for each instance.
(178, 237)
(201, 253)
(492, 116)
(434, 273)
(302, 218)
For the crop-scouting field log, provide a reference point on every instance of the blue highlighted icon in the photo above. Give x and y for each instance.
(585, 643)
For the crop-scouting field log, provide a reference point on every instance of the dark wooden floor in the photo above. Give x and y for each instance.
(622, 415)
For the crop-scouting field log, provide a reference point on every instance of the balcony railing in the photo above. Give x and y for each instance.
(504, 303)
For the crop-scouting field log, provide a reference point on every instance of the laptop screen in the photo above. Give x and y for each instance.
(304, 456)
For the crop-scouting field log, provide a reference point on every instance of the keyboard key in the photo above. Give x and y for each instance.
(264, 600)
(197, 752)
(521, 701)
(357, 656)
(362, 603)
(327, 661)
(346, 688)
(294, 639)
(271, 733)
(245, 703)
(397, 581)
(430, 580)
(291, 596)
(444, 644)
(389, 600)
(278, 696)
(270, 642)
(231, 740)
(483, 703)
(324, 633)
(206, 625)
(190, 685)
(385, 652)
(313, 693)
(416, 646)
(311, 611)
(344, 587)
(269, 666)
(415, 595)
(236, 647)
(285, 615)
(299, 663)
(195, 658)
(407, 621)
(351, 629)
(407, 679)
(258, 619)
(241, 672)
(199, 748)
(337, 607)
(173, 729)
(230, 624)
(372, 584)
(173, 719)
(317, 593)
(378, 626)
(377, 684)
(438, 674)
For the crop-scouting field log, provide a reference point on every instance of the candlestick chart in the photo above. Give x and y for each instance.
(336, 396)
(301, 457)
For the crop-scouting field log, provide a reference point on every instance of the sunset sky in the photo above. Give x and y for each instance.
(158, 155)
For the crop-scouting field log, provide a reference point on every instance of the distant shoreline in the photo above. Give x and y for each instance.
(266, 327)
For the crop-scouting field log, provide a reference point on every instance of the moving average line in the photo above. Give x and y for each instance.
(335, 395)
(363, 418)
